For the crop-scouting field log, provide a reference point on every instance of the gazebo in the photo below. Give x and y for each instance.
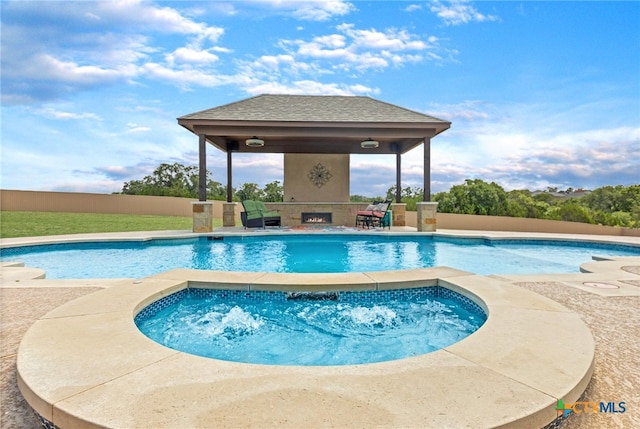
(316, 130)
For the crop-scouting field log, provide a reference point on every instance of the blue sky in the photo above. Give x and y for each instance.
(539, 93)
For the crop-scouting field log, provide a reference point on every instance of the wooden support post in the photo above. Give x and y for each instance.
(427, 169)
(398, 176)
(229, 177)
(202, 168)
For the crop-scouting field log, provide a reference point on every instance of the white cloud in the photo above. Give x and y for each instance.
(146, 16)
(111, 50)
(468, 110)
(135, 128)
(520, 160)
(353, 49)
(93, 186)
(459, 12)
(75, 61)
(273, 62)
(332, 41)
(71, 72)
(92, 45)
(187, 78)
(320, 10)
(50, 112)
(220, 49)
(413, 7)
(391, 39)
(525, 147)
(122, 172)
(190, 56)
(309, 87)
(92, 16)
(274, 67)
(303, 64)
(305, 10)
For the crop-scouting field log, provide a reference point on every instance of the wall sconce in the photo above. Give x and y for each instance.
(369, 144)
(254, 142)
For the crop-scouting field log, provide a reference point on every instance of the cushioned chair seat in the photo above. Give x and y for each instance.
(257, 215)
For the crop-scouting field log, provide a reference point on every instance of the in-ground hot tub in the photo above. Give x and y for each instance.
(310, 328)
(87, 362)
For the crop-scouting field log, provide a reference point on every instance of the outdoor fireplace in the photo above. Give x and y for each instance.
(315, 218)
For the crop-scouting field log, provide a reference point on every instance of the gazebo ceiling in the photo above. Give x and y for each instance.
(313, 124)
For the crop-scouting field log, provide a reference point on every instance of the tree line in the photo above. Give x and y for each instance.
(609, 205)
(177, 180)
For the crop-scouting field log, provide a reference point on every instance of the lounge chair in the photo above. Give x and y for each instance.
(381, 215)
(364, 216)
(256, 215)
(378, 217)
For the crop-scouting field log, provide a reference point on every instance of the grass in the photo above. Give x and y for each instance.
(30, 224)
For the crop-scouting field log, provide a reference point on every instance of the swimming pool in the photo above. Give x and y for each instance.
(304, 253)
(302, 328)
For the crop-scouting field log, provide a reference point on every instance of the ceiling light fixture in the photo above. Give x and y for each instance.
(254, 142)
(369, 144)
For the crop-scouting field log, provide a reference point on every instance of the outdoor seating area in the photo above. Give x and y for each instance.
(376, 215)
(257, 215)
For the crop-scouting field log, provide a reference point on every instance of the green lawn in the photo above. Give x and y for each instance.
(29, 224)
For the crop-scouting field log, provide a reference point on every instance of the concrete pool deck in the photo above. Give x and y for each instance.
(497, 380)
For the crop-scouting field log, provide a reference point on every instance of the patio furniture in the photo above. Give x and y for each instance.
(385, 222)
(363, 216)
(378, 216)
(256, 215)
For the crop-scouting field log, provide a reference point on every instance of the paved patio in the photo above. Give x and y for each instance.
(611, 314)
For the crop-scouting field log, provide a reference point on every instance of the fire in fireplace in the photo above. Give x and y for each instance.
(316, 218)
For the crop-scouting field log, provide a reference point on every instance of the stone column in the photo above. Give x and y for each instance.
(399, 210)
(202, 216)
(229, 214)
(427, 216)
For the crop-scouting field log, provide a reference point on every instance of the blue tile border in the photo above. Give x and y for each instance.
(160, 304)
(341, 296)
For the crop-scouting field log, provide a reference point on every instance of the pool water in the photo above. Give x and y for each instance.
(344, 328)
(310, 253)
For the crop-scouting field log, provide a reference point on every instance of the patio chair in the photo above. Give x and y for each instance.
(256, 215)
(385, 222)
(379, 217)
(363, 216)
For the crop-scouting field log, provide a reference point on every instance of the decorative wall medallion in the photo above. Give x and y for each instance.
(319, 175)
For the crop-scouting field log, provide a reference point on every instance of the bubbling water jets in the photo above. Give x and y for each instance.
(228, 323)
(300, 331)
(375, 317)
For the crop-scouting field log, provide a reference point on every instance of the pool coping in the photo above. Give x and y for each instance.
(530, 353)
(236, 232)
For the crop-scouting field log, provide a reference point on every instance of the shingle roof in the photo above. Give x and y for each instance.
(312, 108)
